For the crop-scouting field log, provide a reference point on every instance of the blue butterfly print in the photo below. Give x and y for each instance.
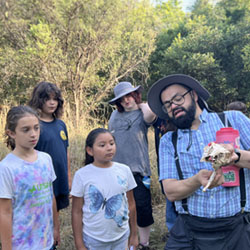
(97, 201)
(121, 219)
(121, 181)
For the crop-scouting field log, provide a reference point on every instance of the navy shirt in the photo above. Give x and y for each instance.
(54, 141)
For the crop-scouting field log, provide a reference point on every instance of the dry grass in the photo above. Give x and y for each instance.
(158, 230)
(77, 138)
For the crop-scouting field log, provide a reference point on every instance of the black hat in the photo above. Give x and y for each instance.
(154, 93)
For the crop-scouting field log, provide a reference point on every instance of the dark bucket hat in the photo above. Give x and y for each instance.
(122, 89)
(154, 93)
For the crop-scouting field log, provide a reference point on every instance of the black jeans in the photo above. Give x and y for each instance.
(196, 233)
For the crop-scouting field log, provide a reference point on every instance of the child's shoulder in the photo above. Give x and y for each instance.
(84, 169)
(10, 162)
(43, 155)
(56, 121)
(8, 158)
(121, 165)
(61, 123)
(59, 120)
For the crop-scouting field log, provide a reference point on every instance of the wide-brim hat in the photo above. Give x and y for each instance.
(122, 89)
(154, 93)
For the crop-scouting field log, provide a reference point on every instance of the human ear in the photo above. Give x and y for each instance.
(89, 150)
(10, 133)
(194, 94)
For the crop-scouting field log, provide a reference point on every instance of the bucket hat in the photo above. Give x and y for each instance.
(154, 93)
(122, 89)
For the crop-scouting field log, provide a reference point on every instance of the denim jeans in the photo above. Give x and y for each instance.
(93, 244)
(171, 214)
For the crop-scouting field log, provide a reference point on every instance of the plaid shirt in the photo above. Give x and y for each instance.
(219, 201)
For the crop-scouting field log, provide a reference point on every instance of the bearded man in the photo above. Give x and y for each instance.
(219, 218)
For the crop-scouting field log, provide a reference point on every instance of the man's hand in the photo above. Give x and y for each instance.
(204, 175)
(230, 148)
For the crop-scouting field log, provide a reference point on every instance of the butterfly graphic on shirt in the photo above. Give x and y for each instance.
(120, 219)
(121, 181)
(110, 205)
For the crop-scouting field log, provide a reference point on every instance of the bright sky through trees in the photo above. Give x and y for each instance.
(186, 4)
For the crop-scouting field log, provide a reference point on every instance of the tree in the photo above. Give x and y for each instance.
(84, 46)
(209, 47)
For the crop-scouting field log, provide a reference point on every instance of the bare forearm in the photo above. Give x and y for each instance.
(133, 237)
(77, 224)
(148, 115)
(55, 214)
(69, 171)
(132, 220)
(77, 227)
(180, 189)
(56, 223)
(6, 231)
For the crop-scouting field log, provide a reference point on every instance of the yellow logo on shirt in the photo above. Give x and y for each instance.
(63, 136)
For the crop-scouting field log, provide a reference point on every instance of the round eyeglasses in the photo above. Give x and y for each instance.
(177, 100)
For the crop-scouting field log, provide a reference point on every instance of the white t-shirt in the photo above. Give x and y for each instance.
(105, 209)
(29, 186)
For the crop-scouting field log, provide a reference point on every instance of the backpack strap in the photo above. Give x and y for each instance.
(242, 174)
(222, 117)
(177, 163)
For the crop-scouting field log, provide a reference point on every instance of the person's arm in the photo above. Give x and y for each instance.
(148, 114)
(180, 189)
(244, 161)
(133, 237)
(6, 223)
(56, 223)
(69, 171)
(77, 225)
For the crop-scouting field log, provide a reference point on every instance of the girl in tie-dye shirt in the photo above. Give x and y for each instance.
(27, 207)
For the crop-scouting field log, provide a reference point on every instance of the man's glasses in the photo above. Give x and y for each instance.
(177, 100)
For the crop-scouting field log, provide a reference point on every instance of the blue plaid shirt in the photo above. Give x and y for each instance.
(216, 202)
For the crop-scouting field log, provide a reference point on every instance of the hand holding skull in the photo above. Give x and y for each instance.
(218, 156)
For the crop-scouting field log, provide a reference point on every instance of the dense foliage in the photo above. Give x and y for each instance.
(87, 46)
(211, 43)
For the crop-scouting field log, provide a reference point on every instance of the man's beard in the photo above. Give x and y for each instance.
(184, 121)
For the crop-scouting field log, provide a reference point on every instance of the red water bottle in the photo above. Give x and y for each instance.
(231, 173)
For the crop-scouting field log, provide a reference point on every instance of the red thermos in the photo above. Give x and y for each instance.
(231, 173)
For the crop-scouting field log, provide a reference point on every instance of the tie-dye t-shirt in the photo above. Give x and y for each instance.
(29, 185)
